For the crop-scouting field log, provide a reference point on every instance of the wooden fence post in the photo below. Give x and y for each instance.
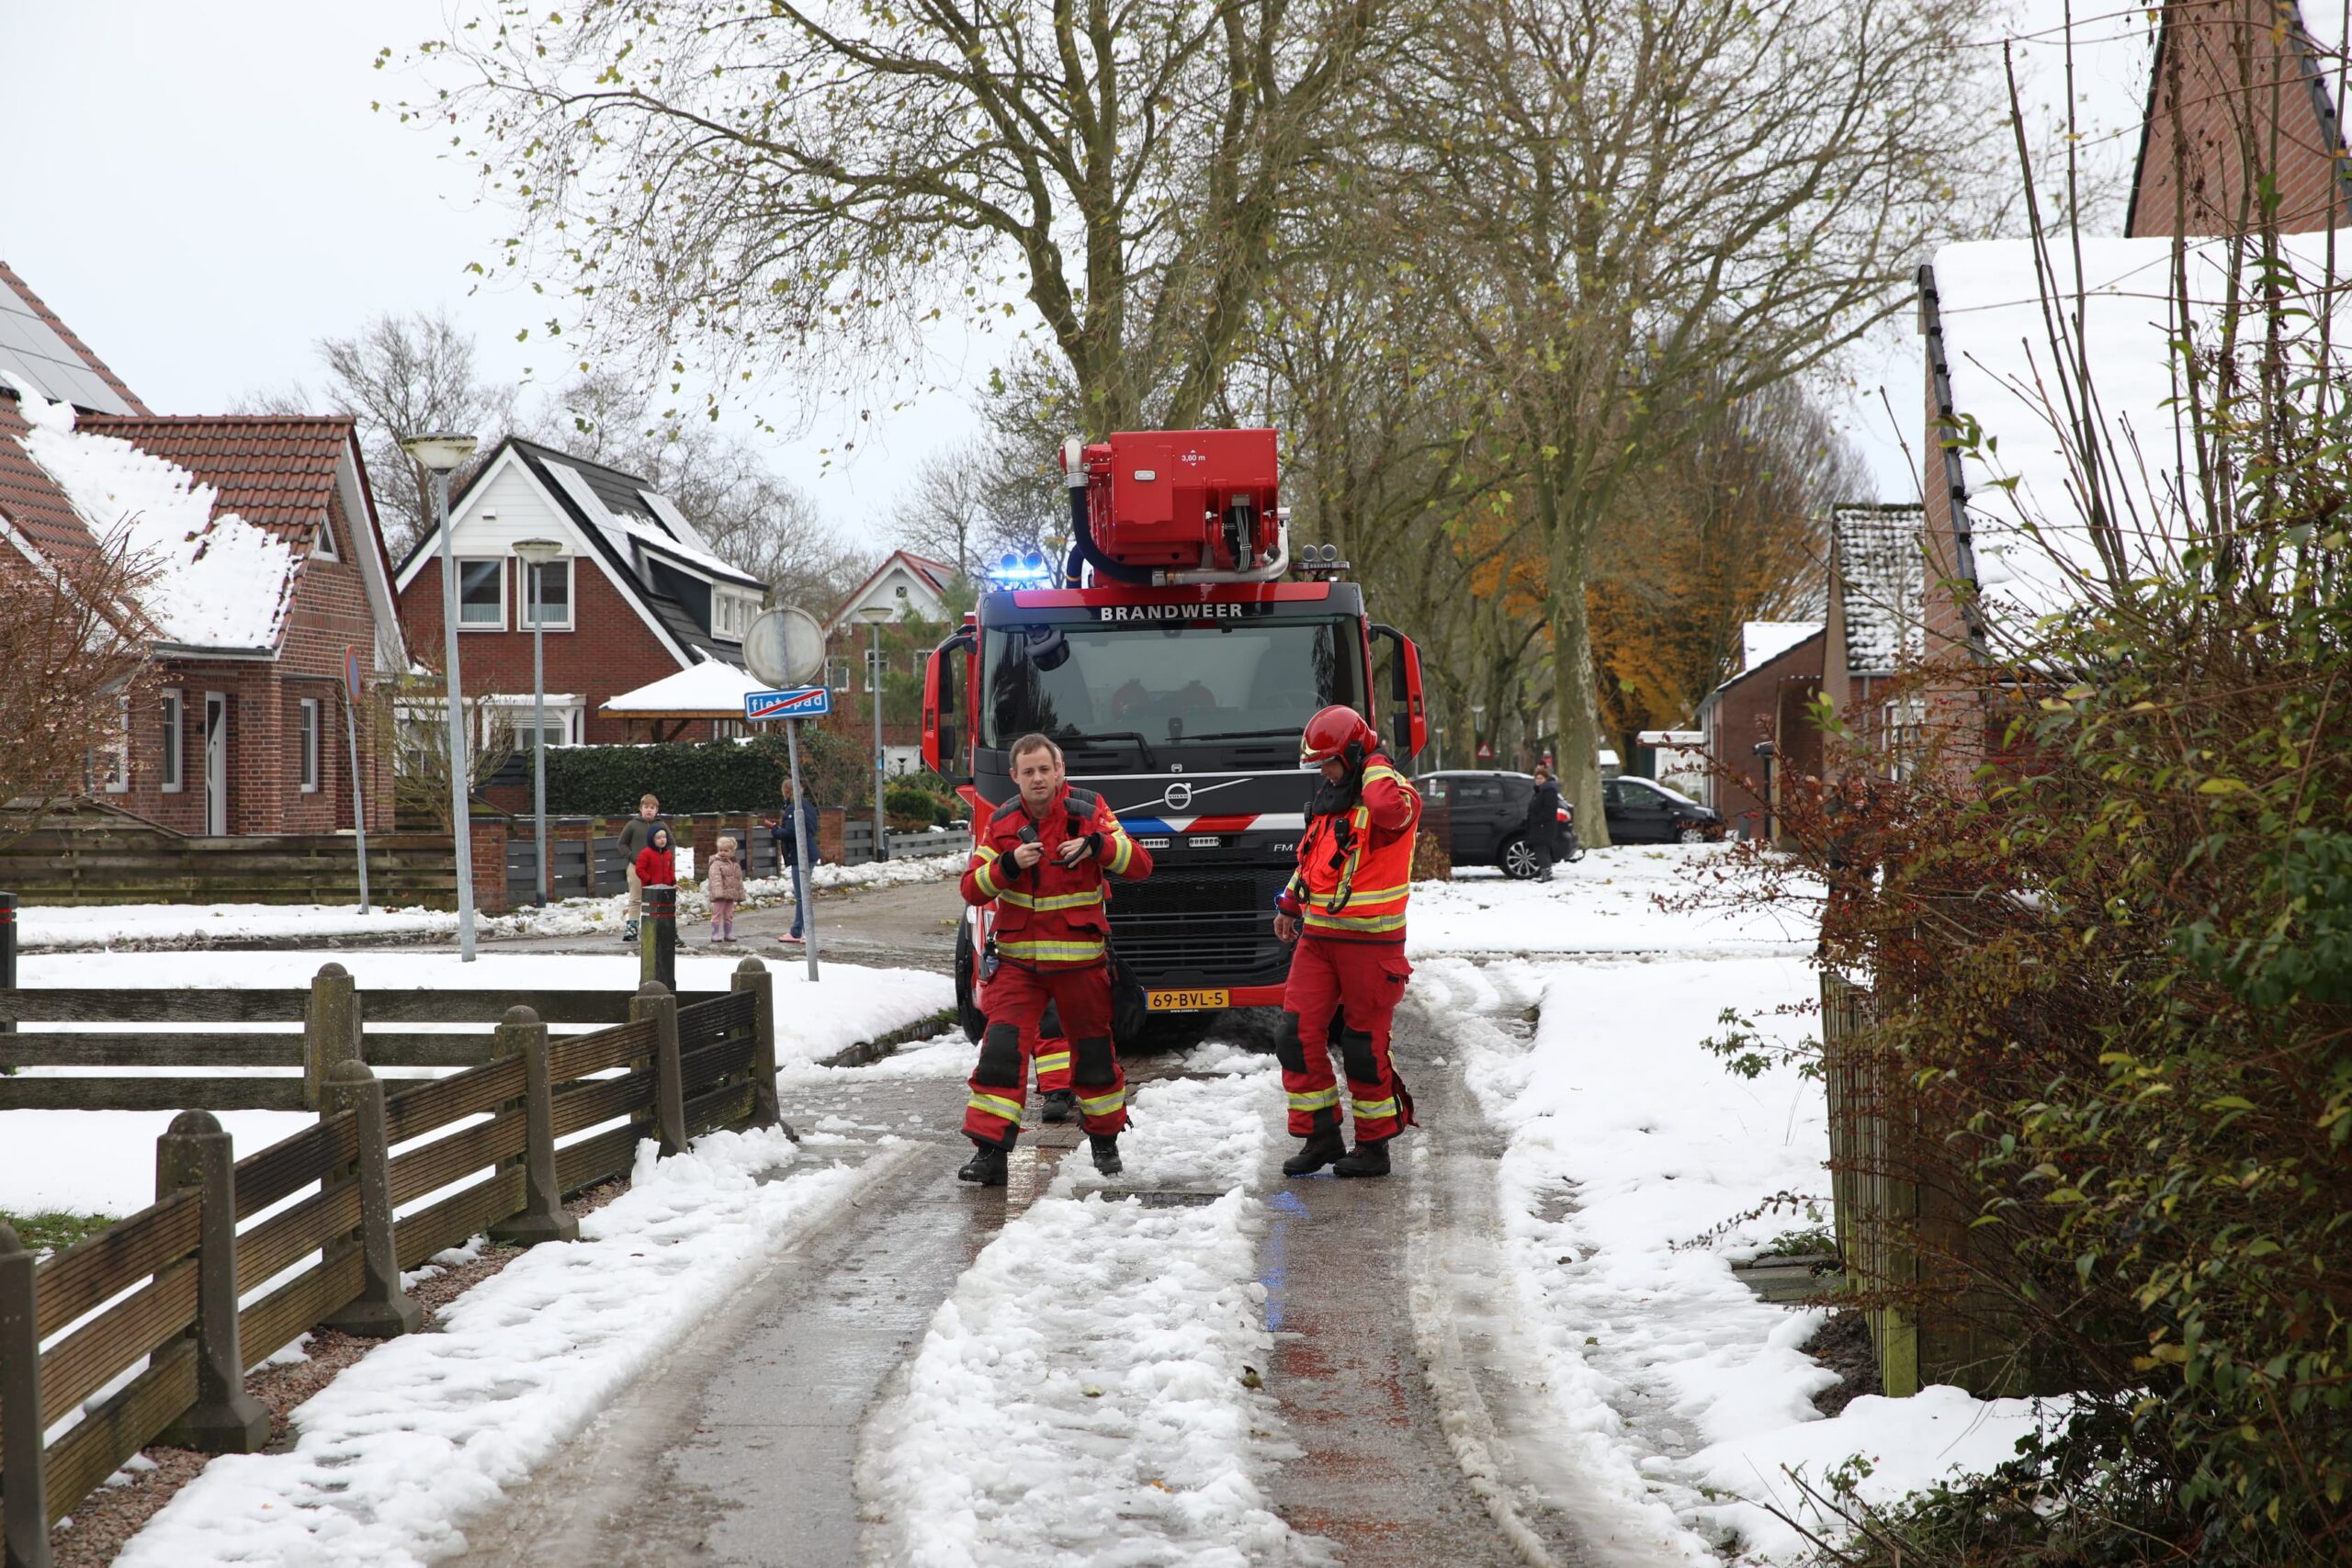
(654, 1001)
(542, 1217)
(23, 1501)
(752, 975)
(330, 1030)
(225, 1419)
(381, 1310)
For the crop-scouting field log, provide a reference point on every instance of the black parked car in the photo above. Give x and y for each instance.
(1488, 814)
(1643, 812)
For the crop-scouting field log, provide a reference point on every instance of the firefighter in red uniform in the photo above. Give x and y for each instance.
(1043, 859)
(1345, 909)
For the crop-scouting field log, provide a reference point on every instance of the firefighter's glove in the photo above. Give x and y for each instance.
(1286, 903)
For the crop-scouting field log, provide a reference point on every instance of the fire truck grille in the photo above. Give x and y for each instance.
(1202, 927)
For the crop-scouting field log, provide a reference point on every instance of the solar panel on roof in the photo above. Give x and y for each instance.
(34, 351)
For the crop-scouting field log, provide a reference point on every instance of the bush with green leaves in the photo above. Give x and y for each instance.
(698, 777)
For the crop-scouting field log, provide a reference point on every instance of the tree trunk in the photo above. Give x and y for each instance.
(1569, 534)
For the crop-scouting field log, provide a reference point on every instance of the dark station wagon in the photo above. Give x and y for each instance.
(1487, 810)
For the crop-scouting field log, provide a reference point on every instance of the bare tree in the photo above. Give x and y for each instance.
(73, 665)
(979, 501)
(414, 710)
(1644, 206)
(401, 376)
(820, 178)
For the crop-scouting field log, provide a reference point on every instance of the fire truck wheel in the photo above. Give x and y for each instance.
(967, 1007)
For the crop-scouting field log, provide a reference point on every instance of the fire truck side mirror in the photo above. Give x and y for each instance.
(1407, 711)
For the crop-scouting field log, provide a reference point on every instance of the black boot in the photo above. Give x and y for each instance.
(1323, 1146)
(1370, 1158)
(1106, 1153)
(986, 1167)
(1058, 1105)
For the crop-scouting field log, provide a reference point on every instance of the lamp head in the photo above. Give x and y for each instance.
(538, 552)
(440, 451)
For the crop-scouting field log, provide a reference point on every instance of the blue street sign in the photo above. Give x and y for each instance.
(795, 701)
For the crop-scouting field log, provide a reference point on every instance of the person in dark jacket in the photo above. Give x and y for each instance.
(635, 834)
(1543, 821)
(795, 822)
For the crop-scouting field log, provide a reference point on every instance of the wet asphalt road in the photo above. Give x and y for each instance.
(1394, 1368)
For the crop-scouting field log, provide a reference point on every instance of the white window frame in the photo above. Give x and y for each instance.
(877, 662)
(308, 741)
(837, 674)
(171, 766)
(732, 611)
(567, 714)
(322, 543)
(499, 598)
(523, 595)
(118, 752)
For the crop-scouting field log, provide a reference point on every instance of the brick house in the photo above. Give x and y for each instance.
(636, 594)
(2190, 177)
(1755, 727)
(269, 564)
(2010, 528)
(915, 594)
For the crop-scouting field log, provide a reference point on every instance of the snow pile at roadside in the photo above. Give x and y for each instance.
(89, 926)
(216, 581)
(1633, 1155)
(1607, 902)
(398, 1450)
(1080, 1398)
(103, 1162)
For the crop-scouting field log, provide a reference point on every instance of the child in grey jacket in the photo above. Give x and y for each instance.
(724, 882)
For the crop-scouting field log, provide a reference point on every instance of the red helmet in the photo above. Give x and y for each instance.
(1337, 733)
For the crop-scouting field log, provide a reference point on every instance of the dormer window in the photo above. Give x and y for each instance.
(732, 611)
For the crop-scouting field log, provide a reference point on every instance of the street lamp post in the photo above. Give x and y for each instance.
(439, 453)
(536, 554)
(875, 615)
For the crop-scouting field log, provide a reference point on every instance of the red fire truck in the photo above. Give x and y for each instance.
(1176, 674)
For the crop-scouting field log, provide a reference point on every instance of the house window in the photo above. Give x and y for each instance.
(174, 735)
(481, 595)
(323, 546)
(116, 758)
(837, 674)
(310, 744)
(554, 590)
(876, 660)
(725, 728)
(732, 613)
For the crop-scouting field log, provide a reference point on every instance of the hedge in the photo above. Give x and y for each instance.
(696, 777)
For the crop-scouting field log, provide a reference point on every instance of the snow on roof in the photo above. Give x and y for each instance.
(1760, 642)
(1883, 578)
(708, 688)
(217, 582)
(2031, 538)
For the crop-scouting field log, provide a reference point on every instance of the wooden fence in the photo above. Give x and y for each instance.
(96, 855)
(314, 1029)
(1903, 1234)
(157, 1294)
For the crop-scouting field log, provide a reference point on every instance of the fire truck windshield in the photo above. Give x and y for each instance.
(1158, 686)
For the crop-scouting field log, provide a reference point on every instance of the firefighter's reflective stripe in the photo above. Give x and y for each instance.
(1119, 853)
(1049, 952)
(1318, 919)
(1057, 1063)
(1103, 1104)
(1360, 897)
(1316, 1100)
(1367, 1110)
(1379, 770)
(1087, 900)
(995, 1105)
(984, 861)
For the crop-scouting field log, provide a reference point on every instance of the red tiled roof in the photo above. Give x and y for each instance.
(278, 470)
(97, 366)
(30, 499)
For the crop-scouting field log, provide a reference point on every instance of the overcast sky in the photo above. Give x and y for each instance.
(202, 191)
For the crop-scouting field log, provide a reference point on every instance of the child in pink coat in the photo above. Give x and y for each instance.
(724, 882)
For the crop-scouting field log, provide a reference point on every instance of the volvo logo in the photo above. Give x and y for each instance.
(1179, 796)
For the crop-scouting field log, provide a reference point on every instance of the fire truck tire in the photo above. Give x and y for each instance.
(967, 1007)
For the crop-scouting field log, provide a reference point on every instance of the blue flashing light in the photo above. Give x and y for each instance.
(1021, 571)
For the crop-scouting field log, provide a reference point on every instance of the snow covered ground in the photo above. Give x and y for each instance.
(1081, 1398)
(1608, 902)
(399, 1448)
(60, 926)
(102, 1161)
(1638, 1169)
